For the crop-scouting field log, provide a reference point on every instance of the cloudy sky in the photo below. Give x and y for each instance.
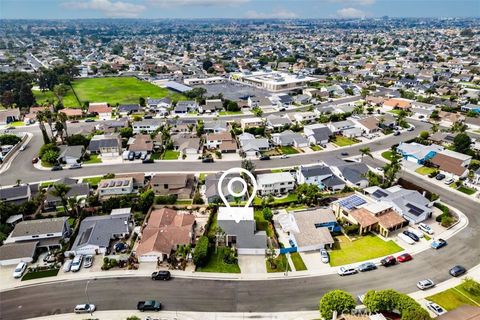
(70, 9)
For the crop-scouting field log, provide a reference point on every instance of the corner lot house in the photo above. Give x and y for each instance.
(95, 233)
(452, 163)
(115, 187)
(418, 153)
(275, 183)
(165, 231)
(242, 234)
(9, 115)
(180, 185)
(71, 154)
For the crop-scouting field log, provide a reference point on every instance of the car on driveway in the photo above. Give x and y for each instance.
(19, 270)
(84, 308)
(396, 133)
(324, 256)
(412, 235)
(77, 263)
(440, 176)
(67, 265)
(161, 275)
(404, 257)
(449, 181)
(435, 308)
(425, 284)
(439, 243)
(88, 262)
(366, 266)
(425, 228)
(406, 238)
(346, 271)
(457, 271)
(388, 261)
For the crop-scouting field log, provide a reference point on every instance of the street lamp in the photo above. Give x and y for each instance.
(86, 294)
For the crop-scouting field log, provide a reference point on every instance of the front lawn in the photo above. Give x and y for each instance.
(387, 155)
(280, 264)
(467, 190)
(342, 141)
(262, 224)
(40, 274)
(94, 158)
(316, 148)
(170, 155)
(184, 202)
(217, 264)
(156, 156)
(455, 297)
(93, 181)
(288, 150)
(229, 113)
(365, 248)
(17, 124)
(298, 261)
(425, 170)
(292, 197)
(395, 111)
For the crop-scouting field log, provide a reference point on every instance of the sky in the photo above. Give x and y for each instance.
(281, 9)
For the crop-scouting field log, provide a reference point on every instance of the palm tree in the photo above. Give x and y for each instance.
(62, 117)
(41, 124)
(434, 127)
(391, 169)
(49, 117)
(60, 190)
(75, 206)
(366, 152)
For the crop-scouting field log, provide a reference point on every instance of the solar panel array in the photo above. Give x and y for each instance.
(352, 202)
(414, 210)
(379, 194)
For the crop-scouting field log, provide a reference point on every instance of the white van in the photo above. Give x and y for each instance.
(405, 238)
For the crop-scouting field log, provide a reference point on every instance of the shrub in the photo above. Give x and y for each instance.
(336, 300)
(267, 214)
(471, 286)
(389, 300)
(201, 252)
(170, 199)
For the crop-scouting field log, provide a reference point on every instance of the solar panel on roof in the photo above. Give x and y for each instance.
(379, 194)
(352, 202)
(414, 210)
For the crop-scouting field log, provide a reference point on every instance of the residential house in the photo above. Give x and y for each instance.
(317, 134)
(70, 154)
(304, 117)
(451, 163)
(187, 144)
(76, 190)
(12, 254)
(128, 109)
(165, 230)
(321, 176)
(254, 122)
(449, 118)
(140, 143)
(159, 106)
(282, 101)
(138, 178)
(211, 106)
(17, 194)
(353, 173)
(368, 124)
(114, 125)
(277, 123)
(259, 102)
(101, 109)
(108, 145)
(418, 153)
(252, 146)
(238, 224)
(146, 125)
(186, 106)
(277, 183)
(9, 115)
(181, 185)
(290, 138)
(215, 126)
(470, 107)
(72, 113)
(211, 188)
(397, 103)
(340, 127)
(96, 233)
(115, 187)
(221, 141)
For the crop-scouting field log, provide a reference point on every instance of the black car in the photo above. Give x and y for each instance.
(207, 160)
(344, 154)
(265, 158)
(396, 133)
(412, 235)
(138, 155)
(388, 261)
(89, 120)
(457, 271)
(131, 156)
(147, 161)
(440, 176)
(161, 275)
(57, 168)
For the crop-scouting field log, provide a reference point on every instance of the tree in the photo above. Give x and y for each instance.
(126, 132)
(267, 214)
(248, 165)
(201, 252)
(141, 101)
(391, 169)
(366, 152)
(307, 193)
(41, 123)
(383, 300)
(424, 135)
(60, 90)
(461, 143)
(77, 140)
(207, 64)
(146, 200)
(336, 300)
(50, 156)
(62, 117)
(75, 206)
(60, 190)
(49, 117)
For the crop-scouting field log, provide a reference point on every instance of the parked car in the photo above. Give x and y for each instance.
(412, 235)
(324, 256)
(23, 147)
(149, 305)
(425, 284)
(144, 156)
(67, 265)
(439, 243)
(148, 161)
(346, 271)
(35, 160)
(344, 154)
(366, 266)
(131, 156)
(84, 308)
(75, 166)
(440, 176)
(207, 160)
(411, 128)
(435, 308)
(138, 154)
(88, 261)
(161, 275)
(265, 158)
(19, 270)
(74, 121)
(89, 120)
(416, 232)
(77, 263)
(396, 133)
(406, 238)
(284, 156)
(57, 168)
(449, 181)
(457, 271)
(404, 257)
(425, 228)
(388, 261)
(292, 243)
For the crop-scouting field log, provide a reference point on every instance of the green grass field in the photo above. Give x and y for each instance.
(280, 262)
(288, 150)
(94, 181)
(455, 297)
(425, 170)
(217, 264)
(170, 155)
(387, 155)
(298, 261)
(112, 90)
(316, 148)
(94, 158)
(262, 224)
(365, 248)
(40, 274)
(343, 141)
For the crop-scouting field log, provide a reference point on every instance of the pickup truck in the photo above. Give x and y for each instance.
(149, 305)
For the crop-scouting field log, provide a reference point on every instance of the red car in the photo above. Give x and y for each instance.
(404, 257)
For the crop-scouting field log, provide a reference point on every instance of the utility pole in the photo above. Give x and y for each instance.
(86, 294)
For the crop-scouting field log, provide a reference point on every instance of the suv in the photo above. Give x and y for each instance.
(425, 284)
(440, 176)
(77, 263)
(161, 275)
(449, 181)
(437, 244)
(388, 261)
(457, 271)
(346, 271)
(367, 266)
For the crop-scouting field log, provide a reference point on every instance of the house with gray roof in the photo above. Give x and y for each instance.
(211, 188)
(70, 154)
(108, 145)
(185, 106)
(252, 146)
(276, 123)
(290, 138)
(353, 173)
(77, 191)
(320, 175)
(16, 194)
(317, 134)
(14, 253)
(96, 232)
(215, 126)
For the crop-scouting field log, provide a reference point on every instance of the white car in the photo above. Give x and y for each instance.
(406, 238)
(425, 228)
(435, 308)
(23, 147)
(284, 156)
(76, 263)
(346, 271)
(425, 284)
(88, 261)
(67, 265)
(324, 256)
(19, 270)
(84, 308)
(449, 181)
(416, 232)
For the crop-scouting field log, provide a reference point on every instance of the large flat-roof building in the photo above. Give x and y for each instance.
(273, 81)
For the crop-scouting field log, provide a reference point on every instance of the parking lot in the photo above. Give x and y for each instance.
(233, 90)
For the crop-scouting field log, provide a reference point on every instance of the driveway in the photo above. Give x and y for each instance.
(252, 263)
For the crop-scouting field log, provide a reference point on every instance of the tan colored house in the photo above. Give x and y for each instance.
(397, 103)
(141, 143)
(181, 185)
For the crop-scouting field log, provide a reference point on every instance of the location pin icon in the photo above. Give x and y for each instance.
(237, 194)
